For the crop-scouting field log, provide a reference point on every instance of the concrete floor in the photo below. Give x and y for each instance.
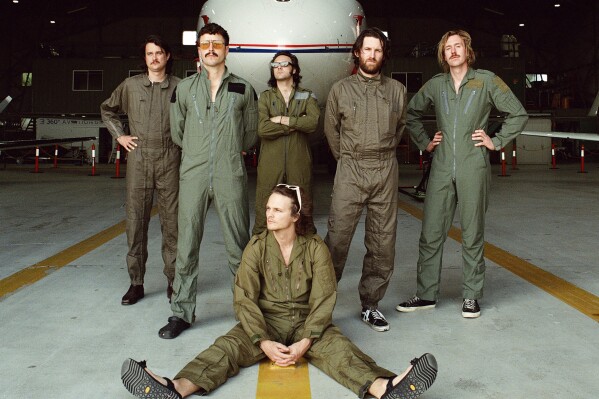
(66, 335)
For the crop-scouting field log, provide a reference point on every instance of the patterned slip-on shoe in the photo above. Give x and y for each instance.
(418, 379)
(141, 384)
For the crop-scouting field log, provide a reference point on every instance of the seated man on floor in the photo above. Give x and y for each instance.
(285, 292)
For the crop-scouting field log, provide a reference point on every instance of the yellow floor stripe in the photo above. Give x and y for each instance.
(276, 382)
(579, 299)
(41, 269)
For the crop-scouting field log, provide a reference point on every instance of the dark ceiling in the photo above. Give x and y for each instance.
(30, 19)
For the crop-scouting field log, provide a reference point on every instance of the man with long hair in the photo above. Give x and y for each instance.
(152, 162)
(364, 121)
(287, 115)
(460, 175)
(285, 292)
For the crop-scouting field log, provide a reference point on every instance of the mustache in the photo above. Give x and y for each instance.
(210, 53)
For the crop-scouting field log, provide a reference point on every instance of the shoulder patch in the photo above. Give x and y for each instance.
(238, 88)
(174, 95)
(500, 84)
(474, 84)
(301, 95)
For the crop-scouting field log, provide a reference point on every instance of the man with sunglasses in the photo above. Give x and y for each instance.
(287, 115)
(364, 121)
(152, 161)
(213, 119)
(285, 292)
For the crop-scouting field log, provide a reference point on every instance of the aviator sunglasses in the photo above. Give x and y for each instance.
(280, 64)
(216, 45)
(297, 193)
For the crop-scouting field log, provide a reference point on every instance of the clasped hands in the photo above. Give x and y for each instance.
(283, 355)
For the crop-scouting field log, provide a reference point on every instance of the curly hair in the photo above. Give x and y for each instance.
(470, 56)
(305, 223)
(272, 82)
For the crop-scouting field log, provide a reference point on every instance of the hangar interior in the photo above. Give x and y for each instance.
(63, 247)
(63, 59)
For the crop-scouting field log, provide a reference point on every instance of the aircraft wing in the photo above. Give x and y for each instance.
(16, 144)
(564, 135)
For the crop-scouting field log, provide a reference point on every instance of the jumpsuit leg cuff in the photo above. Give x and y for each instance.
(201, 383)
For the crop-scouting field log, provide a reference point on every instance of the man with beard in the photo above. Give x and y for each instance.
(152, 163)
(364, 121)
(460, 174)
(287, 115)
(213, 118)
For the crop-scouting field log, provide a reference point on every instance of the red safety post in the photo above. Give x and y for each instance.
(93, 161)
(553, 163)
(56, 156)
(37, 161)
(503, 164)
(421, 161)
(582, 159)
(514, 161)
(117, 163)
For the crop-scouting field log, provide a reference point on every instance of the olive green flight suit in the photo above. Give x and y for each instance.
(212, 137)
(152, 165)
(364, 121)
(285, 154)
(285, 304)
(460, 173)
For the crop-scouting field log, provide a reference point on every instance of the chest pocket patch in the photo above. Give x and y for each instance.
(238, 88)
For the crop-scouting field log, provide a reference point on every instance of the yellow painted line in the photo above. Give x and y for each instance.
(579, 299)
(276, 382)
(41, 269)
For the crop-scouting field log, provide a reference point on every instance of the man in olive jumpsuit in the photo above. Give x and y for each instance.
(152, 162)
(213, 118)
(285, 292)
(287, 115)
(461, 172)
(364, 121)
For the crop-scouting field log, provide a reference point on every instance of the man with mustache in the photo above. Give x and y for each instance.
(460, 175)
(364, 121)
(214, 118)
(152, 162)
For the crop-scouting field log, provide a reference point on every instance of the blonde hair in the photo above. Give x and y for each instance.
(470, 56)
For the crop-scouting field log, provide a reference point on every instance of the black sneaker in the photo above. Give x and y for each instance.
(470, 309)
(415, 303)
(375, 319)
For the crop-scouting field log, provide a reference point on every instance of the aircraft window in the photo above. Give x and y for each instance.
(531, 78)
(88, 80)
(412, 80)
(26, 79)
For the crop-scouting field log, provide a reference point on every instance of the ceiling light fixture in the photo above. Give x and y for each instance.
(556, 5)
(520, 25)
(52, 21)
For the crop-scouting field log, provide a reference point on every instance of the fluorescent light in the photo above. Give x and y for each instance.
(556, 5)
(520, 24)
(189, 37)
(15, 1)
(52, 22)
